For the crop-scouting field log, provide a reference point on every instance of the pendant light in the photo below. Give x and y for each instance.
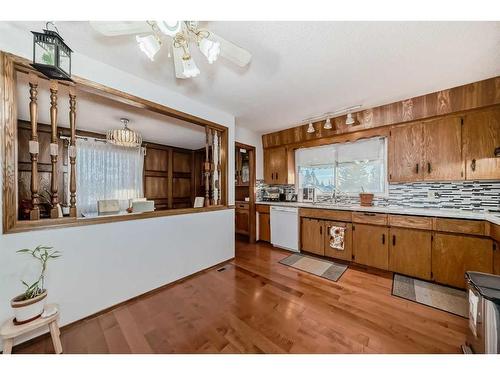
(328, 124)
(150, 45)
(124, 137)
(310, 128)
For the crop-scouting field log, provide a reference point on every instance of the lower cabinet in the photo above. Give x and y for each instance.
(311, 236)
(345, 254)
(264, 227)
(410, 252)
(453, 255)
(371, 245)
(242, 220)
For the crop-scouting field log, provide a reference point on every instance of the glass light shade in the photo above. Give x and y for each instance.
(328, 124)
(189, 68)
(124, 137)
(169, 28)
(210, 48)
(149, 45)
(310, 128)
(349, 120)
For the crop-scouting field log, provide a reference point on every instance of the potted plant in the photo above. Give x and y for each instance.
(29, 305)
(366, 198)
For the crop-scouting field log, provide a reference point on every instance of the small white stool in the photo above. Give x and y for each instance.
(9, 331)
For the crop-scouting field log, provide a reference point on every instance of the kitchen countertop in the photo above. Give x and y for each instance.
(437, 212)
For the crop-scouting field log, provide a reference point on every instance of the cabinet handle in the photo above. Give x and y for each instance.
(428, 167)
(473, 165)
(276, 175)
(320, 230)
(416, 168)
(383, 239)
(272, 176)
(393, 240)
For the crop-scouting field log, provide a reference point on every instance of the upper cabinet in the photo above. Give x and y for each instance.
(427, 151)
(406, 153)
(279, 166)
(443, 150)
(481, 134)
(242, 167)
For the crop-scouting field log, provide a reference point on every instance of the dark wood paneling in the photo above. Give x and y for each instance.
(155, 187)
(182, 162)
(462, 98)
(156, 160)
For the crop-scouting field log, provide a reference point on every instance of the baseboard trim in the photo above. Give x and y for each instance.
(107, 309)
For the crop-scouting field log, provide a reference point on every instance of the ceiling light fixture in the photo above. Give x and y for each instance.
(209, 48)
(349, 119)
(189, 68)
(328, 124)
(169, 28)
(150, 45)
(124, 137)
(310, 128)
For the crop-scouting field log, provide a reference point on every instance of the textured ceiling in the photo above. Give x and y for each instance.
(301, 69)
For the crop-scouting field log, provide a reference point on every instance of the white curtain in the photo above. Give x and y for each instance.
(105, 171)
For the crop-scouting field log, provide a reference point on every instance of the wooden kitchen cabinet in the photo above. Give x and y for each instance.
(264, 227)
(279, 166)
(453, 255)
(481, 132)
(311, 236)
(242, 218)
(410, 252)
(443, 150)
(345, 254)
(406, 153)
(370, 245)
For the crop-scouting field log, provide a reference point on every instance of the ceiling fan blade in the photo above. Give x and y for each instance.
(112, 28)
(177, 56)
(232, 52)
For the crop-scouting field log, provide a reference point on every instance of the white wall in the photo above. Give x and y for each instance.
(109, 263)
(252, 138)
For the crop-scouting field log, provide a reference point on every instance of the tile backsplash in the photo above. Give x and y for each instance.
(464, 195)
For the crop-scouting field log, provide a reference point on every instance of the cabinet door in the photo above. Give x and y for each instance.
(370, 245)
(345, 254)
(454, 254)
(410, 252)
(268, 166)
(481, 136)
(242, 222)
(406, 153)
(311, 236)
(264, 227)
(443, 150)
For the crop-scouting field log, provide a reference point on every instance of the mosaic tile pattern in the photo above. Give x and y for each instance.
(477, 196)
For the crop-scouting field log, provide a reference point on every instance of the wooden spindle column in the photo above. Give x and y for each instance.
(207, 169)
(219, 170)
(72, 153)
(34, 147)
(54, 150)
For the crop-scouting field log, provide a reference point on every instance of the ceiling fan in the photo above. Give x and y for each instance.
(181, 36)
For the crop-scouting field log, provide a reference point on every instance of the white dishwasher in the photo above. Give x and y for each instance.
(285, 227)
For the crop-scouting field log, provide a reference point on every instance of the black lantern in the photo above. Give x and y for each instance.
(51, 55)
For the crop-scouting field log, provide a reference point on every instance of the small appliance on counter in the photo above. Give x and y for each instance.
(271, 195)
(483, 291)
(308, 194)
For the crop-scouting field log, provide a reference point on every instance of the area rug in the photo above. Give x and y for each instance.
(438, 296)
(319, 267)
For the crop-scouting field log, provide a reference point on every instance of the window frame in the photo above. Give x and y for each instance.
(383, 194)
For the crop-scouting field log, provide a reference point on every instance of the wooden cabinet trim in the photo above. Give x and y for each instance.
(413, 222)
(369, 218)
(463, 226)
(263, 208)
(318, 213)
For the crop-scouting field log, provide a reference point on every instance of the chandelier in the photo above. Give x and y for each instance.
(124, 137)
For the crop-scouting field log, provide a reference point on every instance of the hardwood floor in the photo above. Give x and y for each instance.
(256, 305)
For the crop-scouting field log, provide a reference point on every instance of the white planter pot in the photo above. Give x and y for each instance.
(28, 310)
